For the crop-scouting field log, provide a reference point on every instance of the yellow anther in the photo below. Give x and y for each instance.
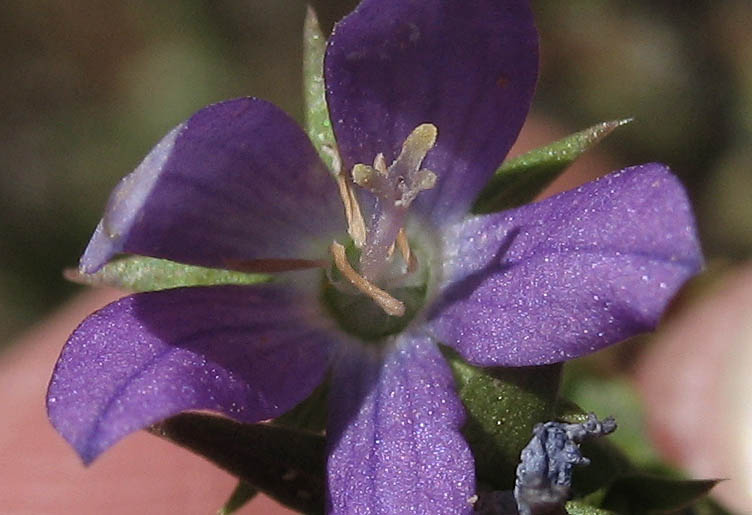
(356, 226)
(404, 247)
(379, 163)
(364, 175)
(425, 180)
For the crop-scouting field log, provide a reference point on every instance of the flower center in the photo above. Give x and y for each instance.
(370, 291)
(368, 314)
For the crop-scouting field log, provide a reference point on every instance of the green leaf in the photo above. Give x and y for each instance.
(318, 125)
(519, 180)
(503, 405)
(580, 508)
(646, 494)
(139, 273)
(243, 493)
(709, 506)
(286, 464)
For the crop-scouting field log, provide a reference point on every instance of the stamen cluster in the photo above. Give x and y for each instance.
(395, 187)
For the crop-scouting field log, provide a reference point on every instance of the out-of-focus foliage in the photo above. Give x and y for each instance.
(682, 70)
(90, 85)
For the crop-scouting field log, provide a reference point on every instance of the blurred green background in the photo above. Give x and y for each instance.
(90, 85)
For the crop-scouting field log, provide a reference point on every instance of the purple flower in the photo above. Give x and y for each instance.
(426, 97)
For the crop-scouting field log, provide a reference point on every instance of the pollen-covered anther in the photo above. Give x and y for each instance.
(404, 179)
(424, 180)
(356, 226)
(389, 304)
(404, 247)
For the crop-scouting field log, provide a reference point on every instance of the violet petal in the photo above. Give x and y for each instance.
(469, 68)
(566, 276)
(238, 181)
(393, 435)
(248, 352)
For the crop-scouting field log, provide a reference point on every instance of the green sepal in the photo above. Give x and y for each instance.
(503, 405)
(647, 494)
(709, 506)
(242, 494)
(317, 122)
(140, 273)
(519, 180)
(286, 464)
(580, 508)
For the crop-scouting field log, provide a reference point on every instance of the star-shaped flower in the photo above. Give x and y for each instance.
(379, 261)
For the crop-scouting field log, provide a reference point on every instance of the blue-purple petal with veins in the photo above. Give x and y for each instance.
(249, 352)
(238, 181)
(469, 68)
(564, 277)
(394, 434)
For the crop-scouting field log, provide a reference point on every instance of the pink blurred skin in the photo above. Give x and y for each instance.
(142, 474)
(697, 384)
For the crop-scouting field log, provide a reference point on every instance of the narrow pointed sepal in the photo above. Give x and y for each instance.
(244, 492)
(140, 273)
(503, 405)
(317, 123)
(286, 464)
(582, 508)
(519, 180)
(642, 493)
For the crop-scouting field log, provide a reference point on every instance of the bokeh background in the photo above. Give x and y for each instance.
(90, 85)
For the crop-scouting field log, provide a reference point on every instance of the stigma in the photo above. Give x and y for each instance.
(395, 187)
